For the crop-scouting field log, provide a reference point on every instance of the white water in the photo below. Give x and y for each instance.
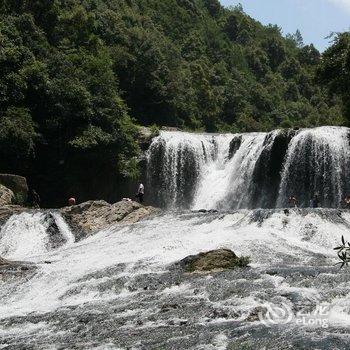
(25, 235)
(96, 281)
(327, 151)
(84, 274)
(195, 170)
(223, 183)
(155, 244)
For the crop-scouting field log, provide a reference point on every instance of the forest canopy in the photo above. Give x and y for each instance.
(77, 77)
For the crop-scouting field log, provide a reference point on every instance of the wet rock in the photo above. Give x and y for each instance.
(10, 269)
(89, 217)
(7, 211)
(169, 307)
(4, 262)
(219, 314)
(6, 196)
(17, 184)
(53, 231)
(220, 259)
(256, 314)
(211, 211)
(235, 144)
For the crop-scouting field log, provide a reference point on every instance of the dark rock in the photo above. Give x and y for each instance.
(268, 168)
(4, 262)
(212, 211)
(256, 314)
(17, 184)
(219, 259)
(235, 144)
(53, 231)
(169, 307)
(219, 314)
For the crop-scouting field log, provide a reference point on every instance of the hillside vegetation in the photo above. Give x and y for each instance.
(78, 76)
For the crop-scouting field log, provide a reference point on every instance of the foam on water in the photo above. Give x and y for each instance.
(25, 235)
(223, 183)
(251, 170)
(155, 244)
(103, 269)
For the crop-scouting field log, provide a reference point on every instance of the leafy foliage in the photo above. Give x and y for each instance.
(343, 252)
(77, 76)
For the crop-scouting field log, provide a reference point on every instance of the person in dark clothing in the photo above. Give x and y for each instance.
(140, 193)
(347, 202)
(316, 201)
(34, 199)
(293, 202)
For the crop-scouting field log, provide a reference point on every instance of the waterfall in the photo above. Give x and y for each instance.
(31, 234)
(175, 164)
(317, 162)
(249, 170)
(223, 182)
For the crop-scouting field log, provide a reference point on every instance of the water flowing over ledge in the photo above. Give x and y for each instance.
(251, 170)
(121, 288)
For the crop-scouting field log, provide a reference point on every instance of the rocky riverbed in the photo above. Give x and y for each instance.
(127, 286)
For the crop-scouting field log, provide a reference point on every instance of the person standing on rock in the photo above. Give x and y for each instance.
(347, 202)
(140, 192)
(316, 201)
(293, 201)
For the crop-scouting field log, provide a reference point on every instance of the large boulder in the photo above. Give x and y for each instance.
(6, 196)
(92, 216)
(17, 184)
(220, 259)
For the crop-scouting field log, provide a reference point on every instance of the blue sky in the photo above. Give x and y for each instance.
(316, 19)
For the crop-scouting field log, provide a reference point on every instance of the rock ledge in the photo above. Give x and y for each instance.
(220, 259)
(89, 217)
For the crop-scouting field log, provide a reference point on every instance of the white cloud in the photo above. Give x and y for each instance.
(345, 4)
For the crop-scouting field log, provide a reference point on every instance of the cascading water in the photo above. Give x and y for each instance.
(31, 234)
(182, 157)
(123, 287)
(317, 162)
(202, 171)
(223, 183)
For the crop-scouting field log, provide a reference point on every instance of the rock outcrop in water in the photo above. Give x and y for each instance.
(17, 184)
(89, 217)
(6, 196)
(220, 259)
